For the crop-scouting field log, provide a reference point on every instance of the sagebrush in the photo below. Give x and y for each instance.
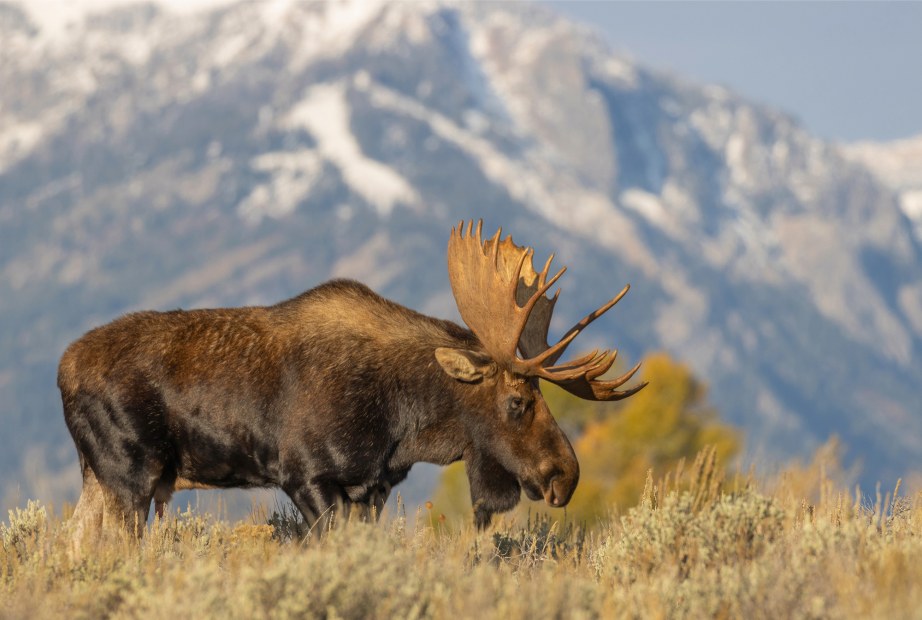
(692, 549)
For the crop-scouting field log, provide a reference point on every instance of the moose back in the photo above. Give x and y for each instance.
(333, 395)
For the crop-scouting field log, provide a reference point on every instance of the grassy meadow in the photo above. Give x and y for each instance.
(695, 547)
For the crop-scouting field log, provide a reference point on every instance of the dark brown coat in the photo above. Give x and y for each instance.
(331, 396)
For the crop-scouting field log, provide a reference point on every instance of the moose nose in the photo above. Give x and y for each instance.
(558, 491)
(552, 495)
(559, 480)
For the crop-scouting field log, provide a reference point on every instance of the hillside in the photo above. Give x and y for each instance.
(155, 158)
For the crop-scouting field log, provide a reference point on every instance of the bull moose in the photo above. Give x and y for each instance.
(333, 395)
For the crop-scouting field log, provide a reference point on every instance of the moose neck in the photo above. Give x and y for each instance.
(432, 421)
(400, 378)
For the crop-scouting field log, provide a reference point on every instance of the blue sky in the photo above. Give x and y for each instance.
(847, 70)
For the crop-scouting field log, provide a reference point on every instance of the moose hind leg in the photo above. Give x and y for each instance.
(117, 443)
(86, 522)
(125, 511)
(366, 503)
(101, 511)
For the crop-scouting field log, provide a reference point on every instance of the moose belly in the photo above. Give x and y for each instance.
(210, 456)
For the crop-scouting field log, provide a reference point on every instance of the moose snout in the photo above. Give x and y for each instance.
(560, 483)
(558, 491)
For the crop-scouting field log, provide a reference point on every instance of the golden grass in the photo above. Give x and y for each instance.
(694, 548)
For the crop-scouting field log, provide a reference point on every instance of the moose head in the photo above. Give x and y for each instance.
(517, 444)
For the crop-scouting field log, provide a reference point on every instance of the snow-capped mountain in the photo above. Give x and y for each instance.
(898, 164)
(154, 156)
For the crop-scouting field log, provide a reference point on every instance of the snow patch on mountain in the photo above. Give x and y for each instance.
(17, 141)
(648, 205)
(899, 165)
(292, 176)
(548, 60)
(532, 180)
(324, 112)
(61, 19)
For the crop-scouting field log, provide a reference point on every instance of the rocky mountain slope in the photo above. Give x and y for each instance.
(898, 164)
(241, 153)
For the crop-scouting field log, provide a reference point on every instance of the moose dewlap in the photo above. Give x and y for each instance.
(333, 395)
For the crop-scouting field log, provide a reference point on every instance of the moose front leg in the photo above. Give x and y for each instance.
(377, 499)
(366, 502)
(318, 500)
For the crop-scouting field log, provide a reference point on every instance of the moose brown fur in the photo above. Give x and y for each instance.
(331, 396)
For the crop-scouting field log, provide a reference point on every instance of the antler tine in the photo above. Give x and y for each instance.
(571, 372)
(601, 369)
(495, 239)
(542, 276)
(586, 361)
(589, 318)
(541, 290)
(585, 387)
(591, 366)
(580, 361)
(460, 232)
(538, 360)
(610, 395)
(617, 381)
(518, 274)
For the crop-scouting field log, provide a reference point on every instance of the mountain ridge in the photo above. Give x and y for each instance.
(898, 165)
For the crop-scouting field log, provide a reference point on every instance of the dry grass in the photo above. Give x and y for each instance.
(694, 548)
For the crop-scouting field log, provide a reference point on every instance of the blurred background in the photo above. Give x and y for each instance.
(754, 171)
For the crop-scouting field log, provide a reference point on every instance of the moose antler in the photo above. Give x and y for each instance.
(503, 300)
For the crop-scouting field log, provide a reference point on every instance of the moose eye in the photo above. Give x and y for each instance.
(515, 406)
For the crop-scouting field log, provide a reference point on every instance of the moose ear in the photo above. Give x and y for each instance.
(464, 365)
